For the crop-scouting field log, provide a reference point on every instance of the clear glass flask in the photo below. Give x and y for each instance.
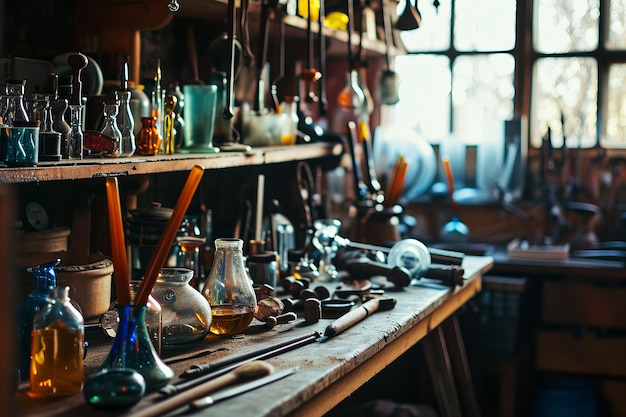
(228, 289)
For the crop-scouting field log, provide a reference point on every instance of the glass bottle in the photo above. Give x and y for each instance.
(126, 123)
(169, 128)
(57, 348)
(186, 314)
(44, 277)
(132, 348)
(75, 136)
(228, 289)
(58, 107)
(148, 139)
(14, 103)
(179, 121)
(110, 128)
(189, 257)
(290, 107)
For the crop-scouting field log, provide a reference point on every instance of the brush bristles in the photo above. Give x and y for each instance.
(253, 369)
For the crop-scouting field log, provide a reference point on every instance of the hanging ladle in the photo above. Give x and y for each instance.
(410, 18)
(351, 97)
(310, 74)
(389, 80)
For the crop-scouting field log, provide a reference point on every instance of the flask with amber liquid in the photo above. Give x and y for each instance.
(228, 289)
(57, 348)
(148, 139)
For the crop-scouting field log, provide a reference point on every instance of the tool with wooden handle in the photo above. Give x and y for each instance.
(248, 371)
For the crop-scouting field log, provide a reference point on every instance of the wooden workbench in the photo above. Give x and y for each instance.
(327, 372)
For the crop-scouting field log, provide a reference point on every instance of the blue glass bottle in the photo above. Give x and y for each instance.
(132, 348)
(44, 277)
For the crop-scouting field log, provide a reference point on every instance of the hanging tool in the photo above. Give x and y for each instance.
(248, 55)
(321, 63)
(266, 5)
(360, 188)
(231, 12)
(310, 74)
(279, 49)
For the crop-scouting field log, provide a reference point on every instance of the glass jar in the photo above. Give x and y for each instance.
(44, 277)
(58, 348)
(228, 289)
(148, 139)
(13, 108)
(110, 129)
(185, 313)
(109, 321)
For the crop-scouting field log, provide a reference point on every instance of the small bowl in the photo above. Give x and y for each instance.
(332, 309)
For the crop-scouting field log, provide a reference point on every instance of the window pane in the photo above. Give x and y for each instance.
(482, 96)
(617, 21)
(616, 109)
(566, 26)
(433, 34)
(568, 86)
(424, 94)
(484, 25)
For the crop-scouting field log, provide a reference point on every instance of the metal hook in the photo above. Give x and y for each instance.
(173, 6)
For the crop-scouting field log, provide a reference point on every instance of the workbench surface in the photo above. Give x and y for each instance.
(327, 371)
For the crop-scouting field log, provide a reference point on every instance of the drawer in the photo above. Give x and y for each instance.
(584, 304)
(565, 351)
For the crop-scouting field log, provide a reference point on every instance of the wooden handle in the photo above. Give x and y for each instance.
(186, 397)
(351, 318)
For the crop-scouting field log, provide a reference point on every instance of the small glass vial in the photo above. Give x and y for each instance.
(148, 139)
(110, 129)
(126, 123)
(229, 290)
(58, 348)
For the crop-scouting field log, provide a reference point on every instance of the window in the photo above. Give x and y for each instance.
(578, 89)
(459, 80)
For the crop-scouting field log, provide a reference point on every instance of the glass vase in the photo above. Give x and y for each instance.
(228, 289)
(133, 349)
(149, 139)
(109, 321)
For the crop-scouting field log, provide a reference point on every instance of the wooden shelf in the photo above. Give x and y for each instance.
(102, 167)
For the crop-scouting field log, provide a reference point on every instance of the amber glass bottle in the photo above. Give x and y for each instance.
(148, 139)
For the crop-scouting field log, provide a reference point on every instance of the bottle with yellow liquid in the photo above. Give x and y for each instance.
(229, 289)
(57, 348)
